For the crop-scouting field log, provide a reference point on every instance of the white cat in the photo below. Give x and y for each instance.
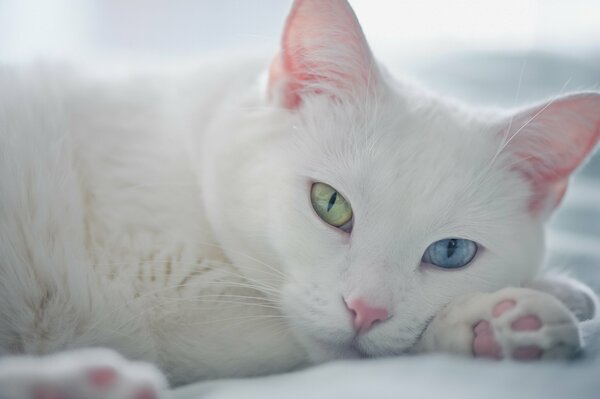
(223, 225)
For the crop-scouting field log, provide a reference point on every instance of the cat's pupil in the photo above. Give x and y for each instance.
(331, 201)
(451, 248)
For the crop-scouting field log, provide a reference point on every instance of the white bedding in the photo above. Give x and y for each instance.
(574, 242)
(424, 377)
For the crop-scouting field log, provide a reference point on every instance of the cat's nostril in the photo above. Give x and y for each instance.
(364, 315)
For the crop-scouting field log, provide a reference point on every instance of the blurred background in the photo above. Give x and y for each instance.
(496, 53)
(471, 48)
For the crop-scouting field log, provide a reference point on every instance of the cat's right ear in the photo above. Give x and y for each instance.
(549, 141)
(323, 52)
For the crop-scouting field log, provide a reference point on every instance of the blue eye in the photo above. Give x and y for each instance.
(450, 253)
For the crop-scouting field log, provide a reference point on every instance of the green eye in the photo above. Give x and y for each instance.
(330, 205)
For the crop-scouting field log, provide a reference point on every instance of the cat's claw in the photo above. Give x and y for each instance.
(83, 374)
(513, 323)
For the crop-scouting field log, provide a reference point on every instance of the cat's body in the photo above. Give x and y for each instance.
(122, 188)
(170, 218)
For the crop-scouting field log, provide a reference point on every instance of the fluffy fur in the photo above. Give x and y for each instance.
(170, 219)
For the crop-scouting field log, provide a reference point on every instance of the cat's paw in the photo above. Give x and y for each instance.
(82, 374)
(523, 324)
(513, 323)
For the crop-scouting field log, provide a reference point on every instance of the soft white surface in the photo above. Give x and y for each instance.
(424, 377)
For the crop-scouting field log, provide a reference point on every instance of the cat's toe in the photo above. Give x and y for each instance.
(527, 353)
(47, 392)
(484, 342)
(145, 393)
(102, 377)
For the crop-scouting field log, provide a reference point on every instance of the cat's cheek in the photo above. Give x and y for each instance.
(319, 320)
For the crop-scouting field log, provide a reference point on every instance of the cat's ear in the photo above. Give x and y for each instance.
(550, 141)
(323, 51)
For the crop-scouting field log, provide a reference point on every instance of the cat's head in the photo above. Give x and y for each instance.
(380, 202)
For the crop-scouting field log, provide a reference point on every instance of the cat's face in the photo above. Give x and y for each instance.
(361, 175)
(413, 173)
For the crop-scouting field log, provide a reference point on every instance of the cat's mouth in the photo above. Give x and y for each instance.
(356, 351)
(356, 345)
(360, 353)
(359, 350)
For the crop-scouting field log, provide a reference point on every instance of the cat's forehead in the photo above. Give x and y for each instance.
(394, 142)
(417, 164)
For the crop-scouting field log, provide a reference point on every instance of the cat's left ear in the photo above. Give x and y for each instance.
(550, 141)
(323, 51)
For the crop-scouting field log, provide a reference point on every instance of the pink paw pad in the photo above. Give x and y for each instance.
(503, 307)
(527, 353)
(527, 323)
(485, 345)
(103, 377)
(44, 392)
(145, 393)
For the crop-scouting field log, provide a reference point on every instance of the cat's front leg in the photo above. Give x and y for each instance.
(515, 323)
(81, 374)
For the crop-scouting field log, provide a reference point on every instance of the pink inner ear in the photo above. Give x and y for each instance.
(277, 76)
(545, 192)
(551, 141)
(323, 50)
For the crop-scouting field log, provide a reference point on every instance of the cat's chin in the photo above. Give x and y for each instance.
(321, 352)
(324, 347)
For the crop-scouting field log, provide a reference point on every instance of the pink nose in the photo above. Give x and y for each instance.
(365, 316)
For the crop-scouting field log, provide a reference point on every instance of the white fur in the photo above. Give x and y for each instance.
(169, 218)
